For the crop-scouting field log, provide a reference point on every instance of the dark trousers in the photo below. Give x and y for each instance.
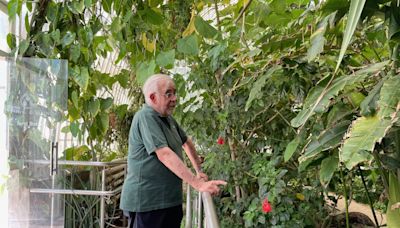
(163, 218)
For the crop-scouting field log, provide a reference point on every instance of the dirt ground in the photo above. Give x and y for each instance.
(362, 208)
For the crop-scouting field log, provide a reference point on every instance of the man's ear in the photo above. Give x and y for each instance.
(153, 97)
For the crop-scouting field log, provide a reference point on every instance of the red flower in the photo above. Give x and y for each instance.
(266, 207)
(220, 140)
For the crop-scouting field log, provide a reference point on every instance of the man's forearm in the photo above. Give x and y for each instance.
(191, 153)
(176, 165)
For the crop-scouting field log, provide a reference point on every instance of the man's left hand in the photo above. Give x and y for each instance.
(201, 175)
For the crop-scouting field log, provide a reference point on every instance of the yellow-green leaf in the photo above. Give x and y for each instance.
(361, 139)
(356, 8)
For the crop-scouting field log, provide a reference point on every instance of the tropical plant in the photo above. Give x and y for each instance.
(312, 83)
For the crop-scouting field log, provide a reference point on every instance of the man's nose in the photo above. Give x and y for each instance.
(174, 97)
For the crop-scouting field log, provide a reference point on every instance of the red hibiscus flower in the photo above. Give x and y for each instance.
(266, 207)
(220, 140)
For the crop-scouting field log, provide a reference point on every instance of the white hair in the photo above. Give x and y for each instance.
(152, 85)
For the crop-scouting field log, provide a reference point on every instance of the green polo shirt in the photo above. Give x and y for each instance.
(149, 184)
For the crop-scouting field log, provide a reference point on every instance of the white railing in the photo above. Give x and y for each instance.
(197, 206)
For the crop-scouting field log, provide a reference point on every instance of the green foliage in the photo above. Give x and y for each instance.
(261, 71)
(188, 45)
(203, 28)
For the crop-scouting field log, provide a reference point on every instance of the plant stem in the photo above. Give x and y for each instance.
(217, 15)
(242, 11)
(397, 145)
(383, 175)
(369, 198)
(345, 198)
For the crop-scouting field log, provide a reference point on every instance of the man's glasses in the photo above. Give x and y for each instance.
(170, 94)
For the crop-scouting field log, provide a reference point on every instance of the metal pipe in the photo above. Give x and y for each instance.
(79, 163)
(102, 202)
(209, 210)
(188, 209)
(199, 212)
(76, 192)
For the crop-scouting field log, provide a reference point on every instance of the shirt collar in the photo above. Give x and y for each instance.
(152, 110)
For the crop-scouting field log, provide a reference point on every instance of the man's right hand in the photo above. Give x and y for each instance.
(209, 186)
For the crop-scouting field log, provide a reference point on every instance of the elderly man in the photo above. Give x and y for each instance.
(152, 191)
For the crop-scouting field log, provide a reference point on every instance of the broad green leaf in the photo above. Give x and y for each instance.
(74, 128)
(74, 98)
(356, 98)
(256, 91)
(83, 78)
(328, 166)
(11, 41)
(65, 129)
(203, 28)
(121, 111)
(23, 46)
(55, 36)
(153, 17)
(155, 3)
(107, 5)
(278, 6)
(92, 107)
(75, 52)
(337, 113)
(320, 96)
(328, 139)
(166, 59)
(369, 104)
(389, 162)
(52, 12)
(393, 215)
(389, 97)
(361, 139)
(188, 45)
(123, 78)
(102, 120)
(79, 152)
(45, 43)
(356, 7)
(27, 25)
(116, 25)
(318, 39)
(68, 38)
(394, 22)
(291, 148)
(14, 8)
(105, 104)
(144, 71)
(77, 7)
(88, 3)
(73, 113)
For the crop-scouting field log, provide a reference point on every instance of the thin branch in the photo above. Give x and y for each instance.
(243, 32)
(286, 121)
(261, 125)
(242, 11)
(217, 15)
(230, 66)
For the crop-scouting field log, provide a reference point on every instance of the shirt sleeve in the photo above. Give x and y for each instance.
(152, 135)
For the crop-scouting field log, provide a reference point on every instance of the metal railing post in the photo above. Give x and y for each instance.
(188, 219)
(209, 210)
(102, 202)
(199, 211)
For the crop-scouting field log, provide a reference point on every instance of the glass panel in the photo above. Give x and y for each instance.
(4, 30)
(35, 106)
